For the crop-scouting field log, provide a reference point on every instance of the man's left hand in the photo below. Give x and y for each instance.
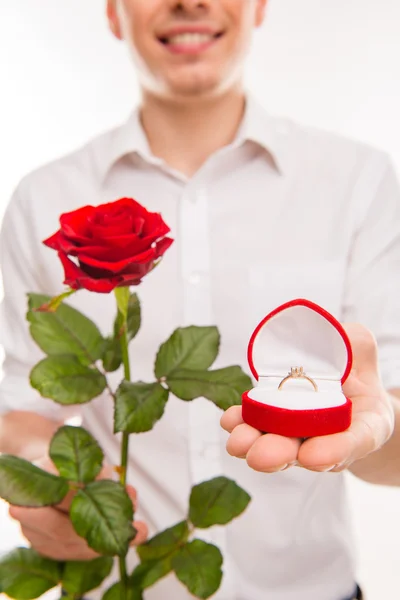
(372, 423)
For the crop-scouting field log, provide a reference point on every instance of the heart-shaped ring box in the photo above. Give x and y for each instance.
(298, 335)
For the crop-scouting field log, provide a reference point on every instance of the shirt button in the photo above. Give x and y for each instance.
(194, 278)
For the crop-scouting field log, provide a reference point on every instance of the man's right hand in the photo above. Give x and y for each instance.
(50, 531)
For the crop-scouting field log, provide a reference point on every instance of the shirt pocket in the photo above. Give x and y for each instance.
(273, 284)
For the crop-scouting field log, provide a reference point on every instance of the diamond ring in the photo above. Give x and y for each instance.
(297, 373)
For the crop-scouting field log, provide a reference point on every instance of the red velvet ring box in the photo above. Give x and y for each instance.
(303, 348)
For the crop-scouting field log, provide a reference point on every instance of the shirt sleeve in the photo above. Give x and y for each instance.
(21, 273)
(372, 291)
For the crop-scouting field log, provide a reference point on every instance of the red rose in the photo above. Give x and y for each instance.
(114, 245)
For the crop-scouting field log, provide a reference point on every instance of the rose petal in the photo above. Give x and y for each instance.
(54, 241)
(162, 246)
(130, 204)
(144, 241)
(135, 247)
(76, 278)
(118, 266)
(154, 222)
(137, 225)
(122, 226)
(116, 244)
(75, 223)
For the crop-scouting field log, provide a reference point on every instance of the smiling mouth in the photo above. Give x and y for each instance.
(190, 39)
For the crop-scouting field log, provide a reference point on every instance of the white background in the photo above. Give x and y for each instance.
(329, 63)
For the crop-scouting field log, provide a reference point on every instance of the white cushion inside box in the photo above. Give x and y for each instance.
(298, 394)
(299, 336)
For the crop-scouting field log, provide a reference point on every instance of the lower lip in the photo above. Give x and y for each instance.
(191, 48)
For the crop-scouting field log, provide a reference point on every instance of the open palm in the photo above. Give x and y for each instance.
(372, 422)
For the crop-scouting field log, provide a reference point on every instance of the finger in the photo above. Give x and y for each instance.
(132, 493)
(65, 504)
(58, 551)
(271, 453)
(365, 351)
(48, 522)
(231, 418)
(142, 533)
(107, 472)
(366, 434)
(241, 440)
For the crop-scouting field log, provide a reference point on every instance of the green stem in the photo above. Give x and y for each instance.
(124, 452)
(125, 354)
(125, 436)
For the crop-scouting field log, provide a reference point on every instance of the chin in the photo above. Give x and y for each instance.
(195, 88)
(193, 83)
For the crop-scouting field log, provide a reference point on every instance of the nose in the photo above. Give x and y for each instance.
(188, 6)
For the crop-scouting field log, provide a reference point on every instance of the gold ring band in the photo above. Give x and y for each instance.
(297, 373)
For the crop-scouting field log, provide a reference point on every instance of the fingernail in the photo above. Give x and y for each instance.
(326, 468)
(283, 467)
(294, 463)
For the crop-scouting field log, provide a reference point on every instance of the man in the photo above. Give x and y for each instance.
(262, 211)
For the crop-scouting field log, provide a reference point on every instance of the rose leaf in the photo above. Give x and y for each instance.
(138, 406)
(76, 454)
(82, 577)
(23, 484)
(216, 502)
(25, 575)
(164, 543)
(224, 387)
(187, 348)
(64, 331)
(115, 593)
(112, 356)
(66, 380)
(148, 573)
(198, 566)
(102, 514)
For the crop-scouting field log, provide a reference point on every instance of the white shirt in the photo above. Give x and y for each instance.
(283, 212)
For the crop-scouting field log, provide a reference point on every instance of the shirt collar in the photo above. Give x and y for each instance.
(270, 133)
(257, 126)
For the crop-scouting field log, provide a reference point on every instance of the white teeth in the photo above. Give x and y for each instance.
(190, 38)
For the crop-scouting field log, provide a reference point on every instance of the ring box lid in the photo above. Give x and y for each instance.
(300, 333)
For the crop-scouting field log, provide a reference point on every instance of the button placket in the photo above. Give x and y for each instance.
(204, 429)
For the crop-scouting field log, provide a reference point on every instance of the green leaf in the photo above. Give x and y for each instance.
(76, 454)
(82, 577)
(164, 543)
(56, 301)
(115, 593)
(23, 484)
(25, 575)
(198, 566)
(224, 387)
(148, 573)
(134, 317)
(188, 348)
(216, 502)
(102, 513)
(66, 380)
(65, 331)
(138, 406)
(112, 357)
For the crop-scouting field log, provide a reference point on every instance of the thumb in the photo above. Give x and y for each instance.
(365, 350)
(142, 530)
(132, 493)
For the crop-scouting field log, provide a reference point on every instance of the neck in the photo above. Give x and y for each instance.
(184, 134)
